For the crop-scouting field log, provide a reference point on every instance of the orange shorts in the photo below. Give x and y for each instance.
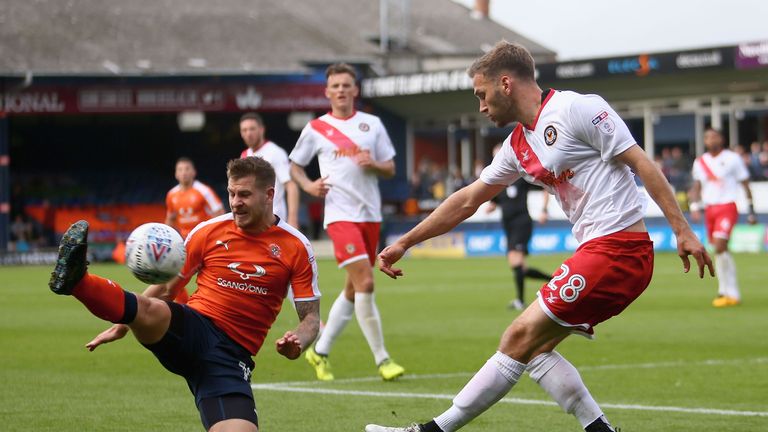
(354, 241)
(599, 281)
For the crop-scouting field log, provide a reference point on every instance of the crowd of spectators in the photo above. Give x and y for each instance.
(756, 159)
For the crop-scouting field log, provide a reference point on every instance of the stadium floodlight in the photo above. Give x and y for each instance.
(191, 121)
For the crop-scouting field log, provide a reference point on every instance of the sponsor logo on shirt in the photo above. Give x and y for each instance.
(244, 275)
(242, 286)
(550, 135)
(347, 152)
(552, 180)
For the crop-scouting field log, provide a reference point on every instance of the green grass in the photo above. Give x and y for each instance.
(444, 316)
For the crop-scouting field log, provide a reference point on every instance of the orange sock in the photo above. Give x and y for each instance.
(105, 299)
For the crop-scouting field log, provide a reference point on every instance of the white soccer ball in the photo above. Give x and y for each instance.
(155, 253)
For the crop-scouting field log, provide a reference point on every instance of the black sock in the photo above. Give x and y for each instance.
(519, 281)
(531, 272)
(430, 427)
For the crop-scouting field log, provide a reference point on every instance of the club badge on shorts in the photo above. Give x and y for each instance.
(550, 135)
(350, 247)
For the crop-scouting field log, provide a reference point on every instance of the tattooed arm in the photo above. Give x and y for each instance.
(295, 341)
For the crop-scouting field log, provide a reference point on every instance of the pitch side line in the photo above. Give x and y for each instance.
(516, 401)
(408, 377)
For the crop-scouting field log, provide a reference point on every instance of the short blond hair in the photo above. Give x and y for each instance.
(505, 57)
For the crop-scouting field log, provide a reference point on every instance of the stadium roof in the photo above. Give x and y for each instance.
(200, 37)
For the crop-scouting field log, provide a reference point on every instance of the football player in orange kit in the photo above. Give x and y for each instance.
(189, 203)
(244, 262)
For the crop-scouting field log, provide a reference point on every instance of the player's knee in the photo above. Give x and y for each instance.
(364, 285)
(517, 341)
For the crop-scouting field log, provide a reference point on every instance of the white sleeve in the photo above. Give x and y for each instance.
(383, 150)
(282, 166)
(696, 171)
(502, 169)
(740, 170)
(305, 148)
(597, 124)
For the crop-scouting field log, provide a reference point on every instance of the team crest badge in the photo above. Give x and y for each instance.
(364, 127)
(550, 135)
(350, 248)
(275, 250)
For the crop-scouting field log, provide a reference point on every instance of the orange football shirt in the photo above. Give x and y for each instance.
(242, 279)
(192, 206)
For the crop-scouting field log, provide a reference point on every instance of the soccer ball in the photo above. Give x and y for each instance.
(155, 253)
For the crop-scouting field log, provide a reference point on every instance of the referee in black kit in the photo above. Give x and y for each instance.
(518, 227)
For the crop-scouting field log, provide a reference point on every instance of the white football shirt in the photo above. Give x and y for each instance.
(569, 151)
(720, 176)
(354, 194)
(278, 158)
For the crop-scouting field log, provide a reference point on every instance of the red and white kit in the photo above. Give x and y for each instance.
(278, 158)
(720, 178)
(354, 194)
(569, 151)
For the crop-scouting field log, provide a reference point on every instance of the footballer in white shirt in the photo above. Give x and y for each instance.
(353, 150)
(718, 175)
(578, 149)
(252, 133)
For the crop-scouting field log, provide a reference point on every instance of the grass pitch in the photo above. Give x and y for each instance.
(671, 362)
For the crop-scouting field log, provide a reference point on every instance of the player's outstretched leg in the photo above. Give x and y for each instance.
(104, 298)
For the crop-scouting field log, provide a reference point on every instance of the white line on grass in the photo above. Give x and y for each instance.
(710, 362)
(516, 401)
(296, 387)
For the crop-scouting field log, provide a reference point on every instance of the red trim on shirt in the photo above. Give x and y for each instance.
(544, 102)
(354, 111)
(334, 135)
(707, 170)
(528, 159)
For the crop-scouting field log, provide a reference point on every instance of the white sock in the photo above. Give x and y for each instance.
(338, 318)
(721, 266)
(369, 320)
(488, 386)
(731, 282)
(562, 382)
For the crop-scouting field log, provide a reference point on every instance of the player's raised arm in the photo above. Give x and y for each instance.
(451, 212)
(661, 192)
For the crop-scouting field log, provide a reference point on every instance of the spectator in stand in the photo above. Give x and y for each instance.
(679, 172)
(21, 233)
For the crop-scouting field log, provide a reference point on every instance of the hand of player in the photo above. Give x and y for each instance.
(289, 345)
(319, 187)
(390, 255)
(751, 219)
(117, 331)
(364, 160)
(695, 215)
(689, 244)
